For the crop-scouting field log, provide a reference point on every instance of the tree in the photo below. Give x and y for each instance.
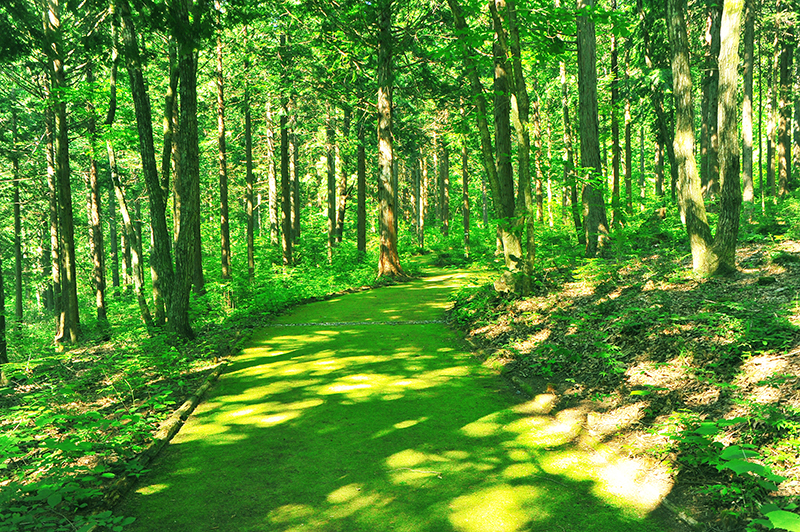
(594, 211)
(747, 103)
(224, 227)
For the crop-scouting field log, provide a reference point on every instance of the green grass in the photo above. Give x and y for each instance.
(378, 427)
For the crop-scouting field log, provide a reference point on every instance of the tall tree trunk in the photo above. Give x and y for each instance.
(729, 149)
(186, 239)
(114, 238)
(286, 192)
(224, 226)
(423, 200)
(594, 210)
(170, 117)
(444, 188)
(343, 192)
(294, 179)
(628, 156)
(772, 115)
(389, 260)
(160, 256)
(569, 164)
(131, 239)
(783, 146)
(68, 329)
(747, 104)
(96, 247)
(616, 208)
(248, 178)
(272, 185)
(693, 211)
(18, 310)
(659, 164)
(330, 140)
(709, 165)
(502, 194)
(52, 196)
(796, 95)
(361, 210)
(3, 341)
(464, 182)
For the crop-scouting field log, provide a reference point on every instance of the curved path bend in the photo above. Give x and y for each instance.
(367, 413)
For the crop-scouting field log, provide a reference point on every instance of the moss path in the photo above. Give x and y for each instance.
(328, 423)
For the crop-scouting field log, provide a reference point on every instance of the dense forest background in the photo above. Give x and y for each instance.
(173, 169)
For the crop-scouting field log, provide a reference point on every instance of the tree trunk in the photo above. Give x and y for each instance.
(248, 178)
(330, 140)
(569, 164)
(186, 239)
(616, 208)
(68, 329)
(294, 180)
(709, 165)
(341, 164)
(170, 117)
(52, 196)
(389, 260)
(286, 192)
(3, 342)
(693, 210)
(628, 157)
(130, 239)
(594, 211)
(114, 238)
(729, 150)
(783, 146)
(444, 188)
(747, 104)
(361, 211)
(224, 227)
(272, 185)
(464, 186)
(160, 256)
(18, 309)
(96, 247)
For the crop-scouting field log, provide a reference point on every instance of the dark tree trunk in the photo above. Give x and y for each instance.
(170, 118)
(361, 230)
(343, 192)
(569, 159)
(114, 238)
(294, 180)
(444, 189)
(330, 140)
(3, 342)
(272, 185)
(96, 247)
(186, 239)
(709, 166)
(248, 178)
(594, 211)
(464, 191)
(286, 193)
(389, 260)
(68, 329)
(160, 256)
(783, 145)
(616, 208)
(52, 187)
(224, 225)
(747, 104)
(18, 310)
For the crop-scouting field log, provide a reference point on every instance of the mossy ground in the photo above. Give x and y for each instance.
(341, 425)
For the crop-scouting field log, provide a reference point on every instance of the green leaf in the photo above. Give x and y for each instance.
(786, 520)
(54, 499)
(741, 466)
(769, 486)
(734, 451)
(706, 429)
(763, 522)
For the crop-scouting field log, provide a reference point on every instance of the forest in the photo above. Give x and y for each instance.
(175, 173)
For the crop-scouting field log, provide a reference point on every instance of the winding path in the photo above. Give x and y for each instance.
(334, 420)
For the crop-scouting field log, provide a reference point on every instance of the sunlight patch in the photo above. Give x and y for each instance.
(499, 509)
(152, 488)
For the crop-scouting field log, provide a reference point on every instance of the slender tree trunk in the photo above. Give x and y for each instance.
(170, 118)
(709, 166)
(464, 186)
(747, 104)
(784, 114)
(114, 238)
(444, 188)
(286, 192)
(729, 149)
(3, 341)
(294, 180)
(224, 227)
(186, 239)
(796, 95)
(659, 165)
(641, 181)
(569, 164)
(616, 207)
(772, 116)
(52, 188)
(130, 238)
(18, 307)
(341, 164)
(272, 185)
(389, 261)
(628, 157)
(330, 141)
(361, 210)
(693, 211)
(248, 179)
(96, 247)
(160, 256)
(594, 211)
(423, 199)
(69, 322)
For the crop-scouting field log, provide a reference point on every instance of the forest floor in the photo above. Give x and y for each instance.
(667, 368)
(367, 412)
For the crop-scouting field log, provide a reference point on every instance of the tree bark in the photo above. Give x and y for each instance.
(747, 103)
(160, 256)
(18, 307)
(594, 211)
(709, 165)
(330, 140)
(783, 145)
(343, 192)
(294, 179)
(361, 210)
(52, 196)
(272, 185)
(224, 224)
(186, 239)
(729, 149)
(3, 341)
(389, 260)
(569, 159)
(68, 329)
(616, 207)
(248, 178)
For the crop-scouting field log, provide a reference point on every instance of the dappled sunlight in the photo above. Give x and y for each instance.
(498, 509)
(368, 428)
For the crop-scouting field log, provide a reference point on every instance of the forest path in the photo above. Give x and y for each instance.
(334, 420)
